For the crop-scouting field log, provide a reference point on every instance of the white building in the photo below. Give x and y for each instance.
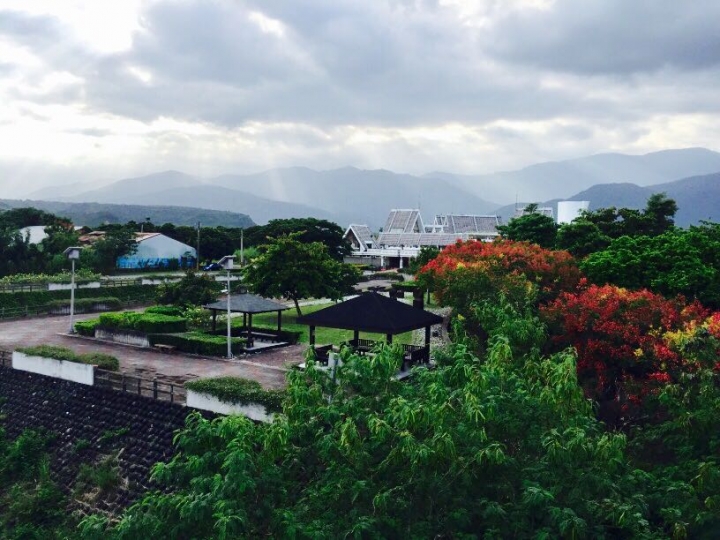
(155, 250)
(35, 233)
(569, 210)
(404, 234)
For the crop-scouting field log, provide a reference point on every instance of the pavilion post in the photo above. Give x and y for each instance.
(279, 322)
(214, 319)
(312, 336)
(249, 330)
(245, 320)
(427, 344)
(356, 338)
(389, 339)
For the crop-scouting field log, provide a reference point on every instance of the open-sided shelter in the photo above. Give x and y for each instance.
(247, 304)
(373, 312)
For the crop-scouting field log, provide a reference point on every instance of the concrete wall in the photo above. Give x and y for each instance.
(59, 369)
(205, 402)
(118, 336)
(66, 286)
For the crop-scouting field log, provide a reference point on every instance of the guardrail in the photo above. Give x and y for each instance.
(153, 388)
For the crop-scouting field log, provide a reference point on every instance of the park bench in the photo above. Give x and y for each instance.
(163, 348)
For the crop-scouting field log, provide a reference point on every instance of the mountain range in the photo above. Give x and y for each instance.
(351, 195)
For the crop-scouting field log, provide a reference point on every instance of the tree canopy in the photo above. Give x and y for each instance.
(532, 227)
(306, 230)
(291, 268)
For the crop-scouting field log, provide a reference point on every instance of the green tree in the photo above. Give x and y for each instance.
(307, 230)
(581, 238)
(118, 242)
(290, 268)
(531, 227)
(192, 290)
(427, 254)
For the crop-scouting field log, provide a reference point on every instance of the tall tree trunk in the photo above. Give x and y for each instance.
(297, 307)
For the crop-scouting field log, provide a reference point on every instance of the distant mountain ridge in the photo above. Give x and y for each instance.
(94, 214)
(697, 198)
(351, 195)
(561, 179)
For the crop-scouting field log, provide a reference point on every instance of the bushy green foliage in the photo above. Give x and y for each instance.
(289, 268)
(532, 227)
(192, 290)
(143, 322)
(166, 310)
(87, 328)
(14, 304)
(103, 361)
(199, 343)
(82, 275)
(237, 390)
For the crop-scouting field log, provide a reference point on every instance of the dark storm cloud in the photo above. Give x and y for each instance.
(612, 36)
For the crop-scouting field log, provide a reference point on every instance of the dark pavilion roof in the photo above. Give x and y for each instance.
(372, 312)
(247, 303)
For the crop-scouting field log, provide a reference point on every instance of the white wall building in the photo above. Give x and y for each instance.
(569, 210)
(156, 250)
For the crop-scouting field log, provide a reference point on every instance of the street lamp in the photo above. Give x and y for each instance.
(227, 263)
(72, 253)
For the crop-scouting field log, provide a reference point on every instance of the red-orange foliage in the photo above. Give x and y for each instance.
(470, 270)
(619, 336)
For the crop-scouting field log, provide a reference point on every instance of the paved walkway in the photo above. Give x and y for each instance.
(268, 368)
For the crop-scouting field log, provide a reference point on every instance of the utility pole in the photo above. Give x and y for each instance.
(197, 248)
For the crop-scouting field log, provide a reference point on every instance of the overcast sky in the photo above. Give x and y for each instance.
(108, 89)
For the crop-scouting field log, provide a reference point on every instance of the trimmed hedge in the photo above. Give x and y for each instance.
(143, 322)
(32, 301)
(103, 361)
(165, 310)
(199, 343)
(237, 390)
(87, 328)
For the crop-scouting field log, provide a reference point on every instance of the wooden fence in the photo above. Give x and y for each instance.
(153, 388)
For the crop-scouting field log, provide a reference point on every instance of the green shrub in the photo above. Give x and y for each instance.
(143, 322)
(87, 328)
(406, 285)
(199, 343)
(151, 322)
(237, 390)
(165, 310)
(101, 360)
(82, 275)
(104, 361)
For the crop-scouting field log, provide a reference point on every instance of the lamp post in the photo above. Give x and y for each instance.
(72, 253)
(227, 263)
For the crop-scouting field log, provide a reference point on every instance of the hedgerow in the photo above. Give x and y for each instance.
(103, 361)
(237, 390)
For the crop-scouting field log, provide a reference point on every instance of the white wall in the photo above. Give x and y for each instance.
(569, 210)
(59, 369)
(118, 336)
(66, 286)
(205, 402)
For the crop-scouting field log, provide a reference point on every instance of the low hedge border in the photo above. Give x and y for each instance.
(143, 322)
(40, 299)
(199, 343)
(87, 328)
(111, 302)
(240, 391)
(103, 361)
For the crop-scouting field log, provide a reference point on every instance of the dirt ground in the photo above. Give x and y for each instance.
(268, 368)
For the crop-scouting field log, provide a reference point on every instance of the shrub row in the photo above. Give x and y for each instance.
(237, 390)
(199, 343)
(165, 310)
(143, 322)
(82, 275)
(40, 299)
(103, 361)
(87, 328)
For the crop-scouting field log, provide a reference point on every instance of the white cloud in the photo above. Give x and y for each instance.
(458, 85)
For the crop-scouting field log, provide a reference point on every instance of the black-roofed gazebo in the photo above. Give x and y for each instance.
(247, 304)
(373, 312)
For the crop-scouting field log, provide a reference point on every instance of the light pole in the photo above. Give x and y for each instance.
(72, 253)
(227, 263)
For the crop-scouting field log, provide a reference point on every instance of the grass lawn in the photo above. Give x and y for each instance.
(323, 336)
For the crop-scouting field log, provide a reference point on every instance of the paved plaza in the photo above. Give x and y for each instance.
(268, 368)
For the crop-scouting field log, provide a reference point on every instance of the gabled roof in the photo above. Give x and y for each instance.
(403, 221)
(372, 312)
(468, 224)
(362, 236)
(247, 303)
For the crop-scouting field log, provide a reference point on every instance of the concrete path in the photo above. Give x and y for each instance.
(268, 368)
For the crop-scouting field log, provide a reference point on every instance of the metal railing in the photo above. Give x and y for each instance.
(122, 382)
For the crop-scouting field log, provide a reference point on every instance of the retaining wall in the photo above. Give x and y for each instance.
(59, 369)
(206, 402)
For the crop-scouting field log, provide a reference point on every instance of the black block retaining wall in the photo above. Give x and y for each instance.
(91, 424)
